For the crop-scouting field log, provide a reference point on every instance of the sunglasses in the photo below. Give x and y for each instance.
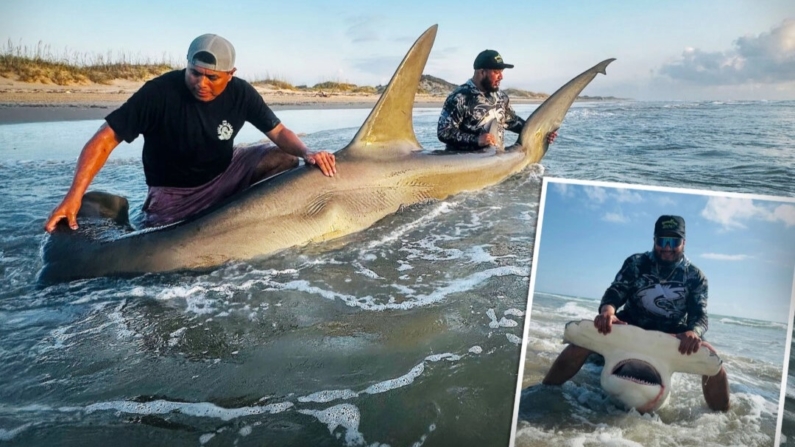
(673, 242)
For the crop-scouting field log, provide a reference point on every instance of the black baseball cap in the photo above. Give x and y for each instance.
(490, 59)
(672, 226)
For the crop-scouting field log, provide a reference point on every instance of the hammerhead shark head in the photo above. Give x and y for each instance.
(381, 170)
(639, 363)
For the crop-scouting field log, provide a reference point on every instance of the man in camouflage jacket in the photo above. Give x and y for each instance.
(472, 108)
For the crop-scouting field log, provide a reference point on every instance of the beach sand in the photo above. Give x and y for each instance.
(22, 102)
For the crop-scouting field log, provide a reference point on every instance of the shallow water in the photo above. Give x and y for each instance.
(404, 334)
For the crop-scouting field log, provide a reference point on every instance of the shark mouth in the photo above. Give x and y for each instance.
(638, 371)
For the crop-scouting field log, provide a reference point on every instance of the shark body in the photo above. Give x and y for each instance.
(381, 170)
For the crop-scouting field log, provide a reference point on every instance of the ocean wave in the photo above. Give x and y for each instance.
(754, 323)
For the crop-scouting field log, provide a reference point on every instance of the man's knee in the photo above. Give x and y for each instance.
(275, 158)
(566, 365)
(285, 160)
(274, 161)
(720, 376)
(716, 390)
(576, 353)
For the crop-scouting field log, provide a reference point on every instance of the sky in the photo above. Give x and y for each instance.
(672, 50)
(745, 245)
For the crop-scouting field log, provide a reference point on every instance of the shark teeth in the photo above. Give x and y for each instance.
(638, 371)
(636, 380)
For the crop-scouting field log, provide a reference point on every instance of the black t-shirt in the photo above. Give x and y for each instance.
(188, 142)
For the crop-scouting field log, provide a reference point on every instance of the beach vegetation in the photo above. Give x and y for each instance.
(39, 64)
(524, 94)
(334, 86)
(277, 82)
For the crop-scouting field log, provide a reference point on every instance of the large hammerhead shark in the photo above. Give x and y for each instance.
(382, 169)
(639, 363)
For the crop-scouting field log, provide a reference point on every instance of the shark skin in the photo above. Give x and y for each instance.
(639, 363)
(381, 170)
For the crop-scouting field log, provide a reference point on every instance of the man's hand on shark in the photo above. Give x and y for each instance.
(486, 139)
(323, 160)
(689, 342)
(604, 321)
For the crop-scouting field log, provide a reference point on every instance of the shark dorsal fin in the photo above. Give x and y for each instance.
(388, 131)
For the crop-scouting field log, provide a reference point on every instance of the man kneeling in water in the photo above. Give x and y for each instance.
(659, 290)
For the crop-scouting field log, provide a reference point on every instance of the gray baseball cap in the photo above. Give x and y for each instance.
(217, 48)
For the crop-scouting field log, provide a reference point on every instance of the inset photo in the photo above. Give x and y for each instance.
(658, 317)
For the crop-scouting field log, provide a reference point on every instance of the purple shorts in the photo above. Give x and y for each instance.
(165, 204)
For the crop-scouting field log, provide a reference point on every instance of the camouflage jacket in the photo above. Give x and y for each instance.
(667, 299)
(468, 113)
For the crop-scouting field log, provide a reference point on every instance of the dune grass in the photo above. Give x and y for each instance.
(325, 87)
(334, 86)
(277, 82)
(526, 94)
(40, 65)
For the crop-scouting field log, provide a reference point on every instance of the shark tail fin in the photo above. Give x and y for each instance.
(388, 130)
(104, 205)
(102, 216)
(549, 115)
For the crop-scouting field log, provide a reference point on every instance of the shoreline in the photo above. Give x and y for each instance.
(20, 113)
(22, 102)
(42, 112)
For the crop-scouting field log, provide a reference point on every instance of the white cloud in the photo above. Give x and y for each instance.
(723, 257)
(563, 189)
(596, 193)
(730, 212)
(785, 213)
(614, 217)
(627, 196)
(768, 58)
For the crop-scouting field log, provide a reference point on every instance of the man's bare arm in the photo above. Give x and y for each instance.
(290, 143)
(94, 155)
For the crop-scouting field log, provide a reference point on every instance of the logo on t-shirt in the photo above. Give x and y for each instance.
(225, 130)
(667, 300)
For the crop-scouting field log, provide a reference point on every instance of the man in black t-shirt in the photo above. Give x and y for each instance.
(659, 290)
(189, 119)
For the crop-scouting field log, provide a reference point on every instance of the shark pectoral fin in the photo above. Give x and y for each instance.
(103, 205)
(496, 131)
(388, 131)
(549, 115)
